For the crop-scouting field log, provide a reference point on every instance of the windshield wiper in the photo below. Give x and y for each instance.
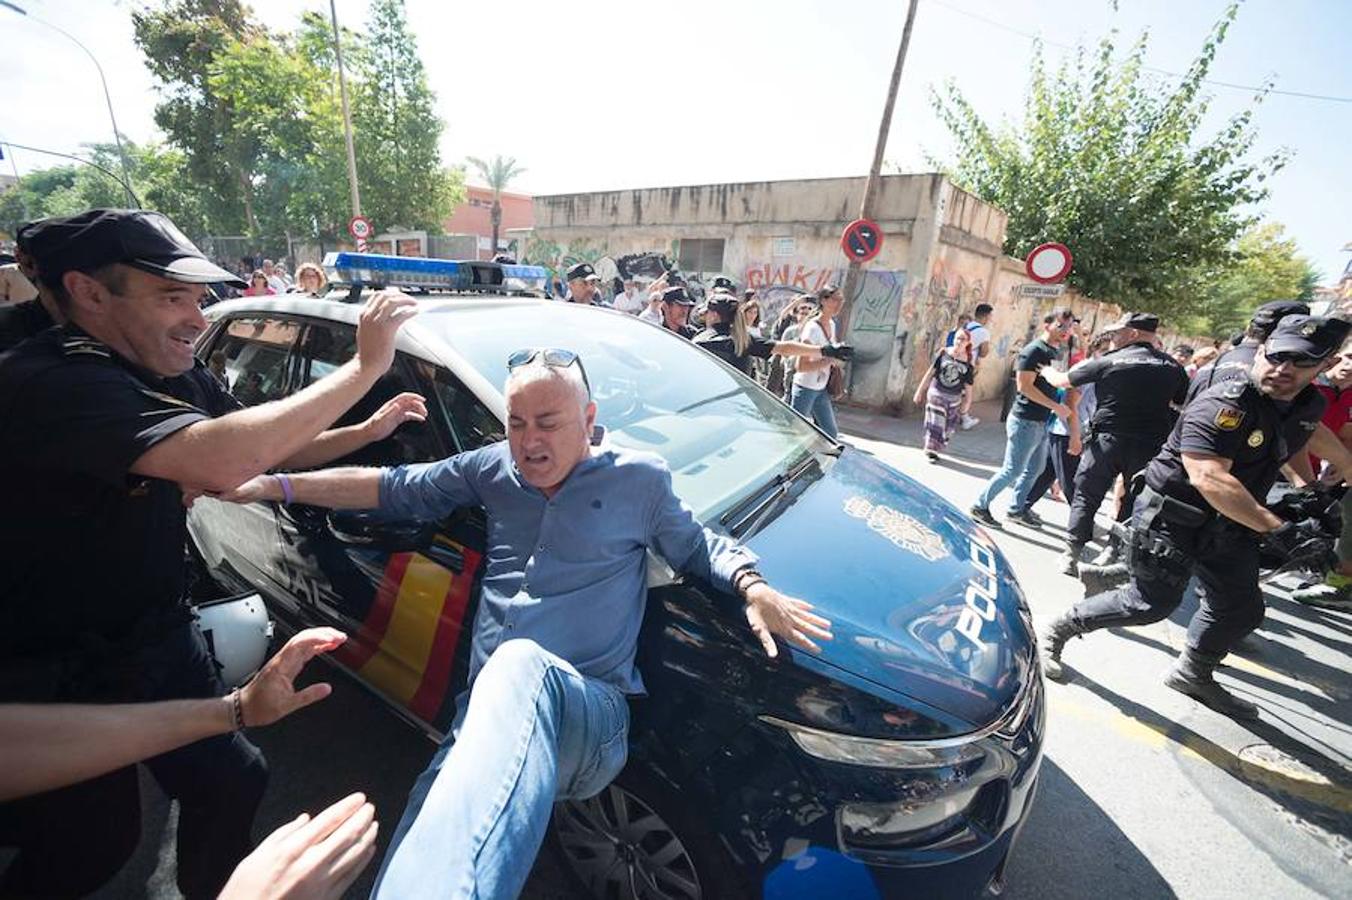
(748, 512)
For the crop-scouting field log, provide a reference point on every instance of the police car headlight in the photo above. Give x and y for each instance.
(879, 752)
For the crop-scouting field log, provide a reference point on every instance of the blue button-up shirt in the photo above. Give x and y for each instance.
(569, 571)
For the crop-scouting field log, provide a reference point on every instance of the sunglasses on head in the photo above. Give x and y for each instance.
(553, 357)
(1295, 358)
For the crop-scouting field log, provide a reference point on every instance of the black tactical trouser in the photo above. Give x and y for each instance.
(74, 839)
(1164, 553)
(1105, 456)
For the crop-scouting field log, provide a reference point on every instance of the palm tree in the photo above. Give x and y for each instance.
(497, 173)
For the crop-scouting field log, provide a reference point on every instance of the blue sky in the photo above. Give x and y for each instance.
(603, 94)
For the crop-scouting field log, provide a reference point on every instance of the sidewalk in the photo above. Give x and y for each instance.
(983, 444)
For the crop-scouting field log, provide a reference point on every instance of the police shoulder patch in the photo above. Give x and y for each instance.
(1234, 389)
(1256, 438)
(1228, 418)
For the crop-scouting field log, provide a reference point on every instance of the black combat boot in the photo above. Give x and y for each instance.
(1098, 579)
(1053, 640)
(1193, 676)
(1070, 560)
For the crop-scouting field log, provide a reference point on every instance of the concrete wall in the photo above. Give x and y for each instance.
(941, 255)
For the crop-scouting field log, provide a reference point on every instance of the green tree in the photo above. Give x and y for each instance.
(1266, 266)
(497, 174)
(1112, 164)
(180, 42)
(397, 131)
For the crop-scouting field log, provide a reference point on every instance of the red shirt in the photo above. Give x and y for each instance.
(1337, 413)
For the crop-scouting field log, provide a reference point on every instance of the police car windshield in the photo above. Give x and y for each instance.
(721, 435)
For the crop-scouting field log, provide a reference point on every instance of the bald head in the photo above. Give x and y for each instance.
(549, 423)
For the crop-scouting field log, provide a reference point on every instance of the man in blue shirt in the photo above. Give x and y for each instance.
(562, 601)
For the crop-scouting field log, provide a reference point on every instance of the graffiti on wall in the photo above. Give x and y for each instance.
(876, 305)
(777, 285)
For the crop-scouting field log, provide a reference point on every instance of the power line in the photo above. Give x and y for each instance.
(113, 175)
(1226, 84)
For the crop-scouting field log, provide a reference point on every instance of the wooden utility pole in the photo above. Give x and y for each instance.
(875, 172)
(347, 116)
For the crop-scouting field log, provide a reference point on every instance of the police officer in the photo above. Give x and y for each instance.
(1201, 510)
(725, 335)
(1134, 387)
(1238, 360)
(21, 321)
(583, 284)
(670, 308)
(109, 420)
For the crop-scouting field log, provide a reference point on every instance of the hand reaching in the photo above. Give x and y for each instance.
(378, 325)
(406, 407)
(272, 694)
(771, 613)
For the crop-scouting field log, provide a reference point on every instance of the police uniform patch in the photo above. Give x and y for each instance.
(1228, 419)
(1256, 438)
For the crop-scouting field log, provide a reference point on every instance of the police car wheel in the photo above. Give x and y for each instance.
(633, 841)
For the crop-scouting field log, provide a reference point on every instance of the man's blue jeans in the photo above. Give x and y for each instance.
(1025, 456)
(815, 405)
(533, 731)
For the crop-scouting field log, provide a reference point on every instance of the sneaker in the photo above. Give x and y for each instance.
(1334, 592)
(931, 456)
(1025, 517)
(969, 422)
(983, 515)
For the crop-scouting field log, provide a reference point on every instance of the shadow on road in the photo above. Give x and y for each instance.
(1070, 848)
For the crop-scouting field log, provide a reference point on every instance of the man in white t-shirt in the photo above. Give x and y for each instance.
(981, 348)
(633, 299)
(810, 396)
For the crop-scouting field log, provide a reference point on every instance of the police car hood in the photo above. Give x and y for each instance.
(921, 602)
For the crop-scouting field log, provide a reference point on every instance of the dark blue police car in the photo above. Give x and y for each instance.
(900, 761)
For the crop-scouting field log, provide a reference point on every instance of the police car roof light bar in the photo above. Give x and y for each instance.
(433, 274)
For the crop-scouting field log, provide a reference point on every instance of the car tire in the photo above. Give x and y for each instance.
(637, 840)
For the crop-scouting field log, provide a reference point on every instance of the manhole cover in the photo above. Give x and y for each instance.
(1266, 756)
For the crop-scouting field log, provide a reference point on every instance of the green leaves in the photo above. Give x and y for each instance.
(1109, 160)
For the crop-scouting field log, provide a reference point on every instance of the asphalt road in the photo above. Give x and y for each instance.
(1143, 793)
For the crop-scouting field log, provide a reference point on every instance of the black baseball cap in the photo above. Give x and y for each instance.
(1268, 315)
(677, 295)
(139, 238)
(583, 270)
(1313, 336)
(1139, 320)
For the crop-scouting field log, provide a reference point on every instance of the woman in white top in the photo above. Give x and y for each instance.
(810, 397)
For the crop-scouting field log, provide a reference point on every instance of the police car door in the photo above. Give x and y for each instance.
(252, 354)
(400, 590)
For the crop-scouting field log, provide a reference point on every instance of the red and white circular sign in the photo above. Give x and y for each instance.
(1048, 263)
(360, 227)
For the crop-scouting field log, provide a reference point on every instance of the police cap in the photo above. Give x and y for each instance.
(723, 283)
(583, 270)
(1314, 337)
(1139, 320)
(1269, 314)
(138, 238)
(677, 295)
(724, 301)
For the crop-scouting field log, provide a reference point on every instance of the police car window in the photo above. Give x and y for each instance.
(325, 347)
(471, 424)
(251, 357)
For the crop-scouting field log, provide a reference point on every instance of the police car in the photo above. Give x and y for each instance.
(900, 761)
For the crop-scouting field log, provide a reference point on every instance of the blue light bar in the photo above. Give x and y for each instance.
(433, 274)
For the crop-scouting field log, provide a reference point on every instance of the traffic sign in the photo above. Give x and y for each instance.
(1048, 263)
(360, 227)
(862, 240)
(1042, 291)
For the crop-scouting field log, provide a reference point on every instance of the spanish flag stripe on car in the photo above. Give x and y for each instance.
(357, 652)
(436, 675)
(406, 645)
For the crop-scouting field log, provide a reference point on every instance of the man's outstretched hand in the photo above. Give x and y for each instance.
(272, 694)
(770, 613)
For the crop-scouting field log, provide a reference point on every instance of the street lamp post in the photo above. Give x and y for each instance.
(117, 136)
(347, 116)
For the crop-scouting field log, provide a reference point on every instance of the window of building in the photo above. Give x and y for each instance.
(701, 255)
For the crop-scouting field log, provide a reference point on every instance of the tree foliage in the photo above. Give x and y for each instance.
(1112, 163)
(497, 175)
(1266, 267)
(398, 131)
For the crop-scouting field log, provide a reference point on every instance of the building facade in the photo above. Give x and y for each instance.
(473, 216)
(941, 256)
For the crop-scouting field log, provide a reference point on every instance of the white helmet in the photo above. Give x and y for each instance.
(237, 630)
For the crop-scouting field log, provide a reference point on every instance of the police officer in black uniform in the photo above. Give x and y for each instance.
(1238, 360)
(725, 335)
(1201, 509)
(21, 321)
(108, 420)
(1134, 387)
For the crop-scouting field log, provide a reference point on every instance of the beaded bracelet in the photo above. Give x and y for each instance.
(237, 709)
